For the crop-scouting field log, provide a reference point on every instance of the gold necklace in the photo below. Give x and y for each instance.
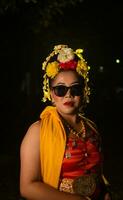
(81, 133)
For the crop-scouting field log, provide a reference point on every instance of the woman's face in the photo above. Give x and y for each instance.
(70, 98)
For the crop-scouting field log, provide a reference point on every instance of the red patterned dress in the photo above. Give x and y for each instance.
(83, 157)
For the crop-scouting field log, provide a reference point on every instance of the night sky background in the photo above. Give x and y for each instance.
(28, 32)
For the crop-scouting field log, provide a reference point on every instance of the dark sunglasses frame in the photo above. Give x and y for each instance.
(61, 90)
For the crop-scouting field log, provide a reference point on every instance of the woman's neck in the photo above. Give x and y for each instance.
(71, 119)
(73, 122)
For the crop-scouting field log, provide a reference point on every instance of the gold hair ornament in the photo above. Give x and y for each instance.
(65, 61)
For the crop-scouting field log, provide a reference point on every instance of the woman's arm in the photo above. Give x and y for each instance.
(31, 186)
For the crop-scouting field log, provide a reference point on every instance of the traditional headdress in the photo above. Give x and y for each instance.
(65, 60)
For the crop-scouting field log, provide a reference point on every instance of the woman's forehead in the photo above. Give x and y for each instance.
(66, 77)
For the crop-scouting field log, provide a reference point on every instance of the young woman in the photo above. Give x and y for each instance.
(61, 156)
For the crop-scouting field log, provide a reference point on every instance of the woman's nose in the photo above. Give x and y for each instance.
(68, 94)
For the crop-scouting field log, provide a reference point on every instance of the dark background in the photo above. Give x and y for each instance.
(28, 32)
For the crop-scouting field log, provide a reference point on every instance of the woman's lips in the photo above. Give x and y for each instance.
(69, 103)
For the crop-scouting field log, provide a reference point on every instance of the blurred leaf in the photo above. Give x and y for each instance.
(42, 12)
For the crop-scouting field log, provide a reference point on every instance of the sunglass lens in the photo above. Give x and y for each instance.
(60, 90)
(76, 90)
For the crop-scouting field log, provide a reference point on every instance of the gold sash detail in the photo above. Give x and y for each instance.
(84, 185)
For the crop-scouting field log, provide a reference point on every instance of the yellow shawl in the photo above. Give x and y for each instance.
(52, 145)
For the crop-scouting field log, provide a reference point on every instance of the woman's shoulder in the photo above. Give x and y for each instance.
(88, 120)
(30, 145)
(90, 123)
(35, 126)
(32, 133)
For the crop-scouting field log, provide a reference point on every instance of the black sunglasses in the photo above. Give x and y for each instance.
(61, 90)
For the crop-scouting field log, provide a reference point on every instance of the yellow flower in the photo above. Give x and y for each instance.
(44, 65)
(46, 96)
(82, 68)
(79, 52)
(52, 69)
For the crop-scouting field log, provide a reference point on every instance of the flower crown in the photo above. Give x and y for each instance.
(66, 61)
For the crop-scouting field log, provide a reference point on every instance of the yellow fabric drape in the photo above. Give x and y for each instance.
(52, 145)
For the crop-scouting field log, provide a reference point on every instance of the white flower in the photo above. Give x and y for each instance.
(65, 55)
(59, 47)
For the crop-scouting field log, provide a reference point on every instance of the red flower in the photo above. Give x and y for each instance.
(72, 64)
